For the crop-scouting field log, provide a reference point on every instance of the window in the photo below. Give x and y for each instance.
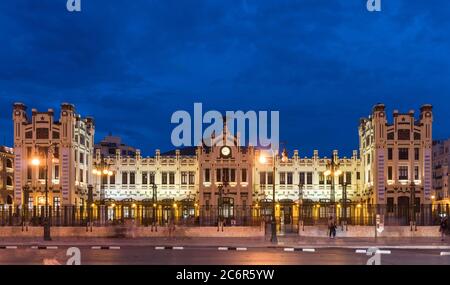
(124, 177)
(184, 178)
(321, 178)
(368, 158)
(309, 178)
(164, 178)
(9, 181)
(358, 175)
(82, 140)
(42, 133)
(56, 152)
(132, 178)
(416, 153)
(416, 136)
(191, 178)
(152, 178)
(416, 172)
(262, 178)
(29, 135)
(403, 173)
(404, 134)
(41, 172)
(171, 178)
(389, 172)
(390, 136)
(56, 172)
(302, 178)
(55, 135)
(207, 175)
(341, 179)
(348, 177)
(218, 175)
(56, 202)
(403, 154)
(81, 175)
(270, 177)
(29, 172)
(244, 175)
(81, 157)
(226, 174)
(289, 178)
(112, 179)
(233, 175)
(389, 153)
(144, 178)
(282, 177)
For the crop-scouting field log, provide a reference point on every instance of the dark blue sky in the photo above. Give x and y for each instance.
(322, 63)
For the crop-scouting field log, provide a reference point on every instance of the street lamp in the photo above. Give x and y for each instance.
(36, 161)
(221, 190)
(300, 201)
(263, 160)
(155, 205)
(413, 203)
(101, 169)
(332, 171)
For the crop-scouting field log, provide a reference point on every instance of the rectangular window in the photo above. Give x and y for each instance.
(171, 178)
(218, 175)
(56, 172)
(42, 133)
(104, 179)
(124, 177)
(262, 178)
(233, 175)
(341, 179)
(144, 178)
(244, 175)
(301, 178)
(289, 178)
(82, 140)
(226, 174)
(29, 172)
(390, 173)
(81, 157)
(55, 135)
(403, 153)
(282, 177)
(358, 175)
(207, 175)
(191, 178)
(56, 202)
(348, 177)
(152, 178)
(81, 175)
(112, 179)
(404, 134)
(184, 178)
(403, 173)
(416, 154)
(416, 172)
(390, 153)
(309, 178)
(164, 178)
(321, 178)
(56, 152)
(270, 177)
(41, 172)
(132, 178)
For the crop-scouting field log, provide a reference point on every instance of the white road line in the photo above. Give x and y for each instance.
(289, 249)
(241, 249)
(11, 247)
(114, 247)
(223, 248)
(383, 252)
(361, 251)
(309, 250)
(34, 247)
(52, 247)
(160, 248)
(96, 247)
(445, 253)
(178, 248)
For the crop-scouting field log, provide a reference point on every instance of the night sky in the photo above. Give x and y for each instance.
(322, 63)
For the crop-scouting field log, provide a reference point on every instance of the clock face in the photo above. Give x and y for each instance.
(225, 151)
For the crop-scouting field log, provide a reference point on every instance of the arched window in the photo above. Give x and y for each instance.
(9, 163)
(9, 181)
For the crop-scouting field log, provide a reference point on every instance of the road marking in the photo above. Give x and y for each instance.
(52, 247)
(383, 252)
(44, 247)
(361, 251)
(445, 253)
(309, 250)
(160, 248)
(241, 249)
(178, 248)
(223, 248)
(11, 247)
(96, 247)
(114, 247)
(289, 249)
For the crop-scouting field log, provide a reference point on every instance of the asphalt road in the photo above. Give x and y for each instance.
(134, 255)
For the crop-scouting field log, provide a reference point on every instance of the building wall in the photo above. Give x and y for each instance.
(6, 175)
(441, 159)
(110, 144)
(69, 161)
(405, 134)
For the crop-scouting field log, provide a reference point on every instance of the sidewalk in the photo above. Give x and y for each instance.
(283, 241)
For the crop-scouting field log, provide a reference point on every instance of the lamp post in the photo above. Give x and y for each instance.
(332, 171)
(263, 160)
(413, 204)
(221, 190)
(155, 205)
(101, 170)
(344, 204)
(26, 198)
(300, 201)
(36, 161)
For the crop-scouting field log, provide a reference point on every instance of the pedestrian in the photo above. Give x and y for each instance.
(443, 227)
(330, 226)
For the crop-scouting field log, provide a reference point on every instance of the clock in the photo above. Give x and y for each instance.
(225, 151)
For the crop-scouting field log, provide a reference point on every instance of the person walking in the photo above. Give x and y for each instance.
(443, 227)
(331, 227)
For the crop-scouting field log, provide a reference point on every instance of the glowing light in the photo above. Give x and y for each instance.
(359, 206)
(433, 197)
(338, 172)
(326, 173)
(94, 171)
(174, 205)
(113, 205)
(262, 159)
(110, 173)
(134, 205)
(35, 161)
(154, 205)
(105, 171)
